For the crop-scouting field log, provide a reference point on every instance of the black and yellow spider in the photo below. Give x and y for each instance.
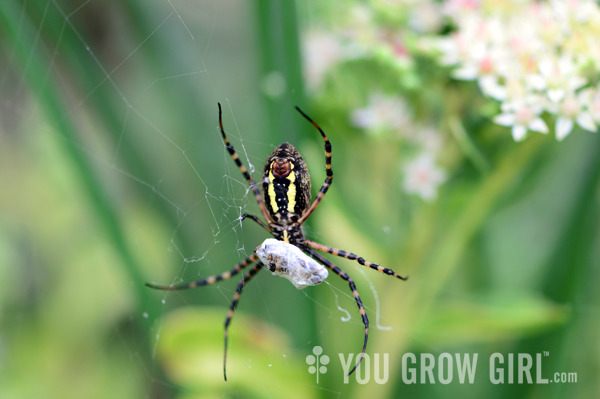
(286, 205)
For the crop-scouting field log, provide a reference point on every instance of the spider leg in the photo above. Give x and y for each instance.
(361, 308)
(236, 298)
(209, 280)
(256, 219)
(242, 168)
(329, 177)
(351, 256)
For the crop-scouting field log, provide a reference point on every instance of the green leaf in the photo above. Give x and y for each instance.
(489, 319)
(190, 348)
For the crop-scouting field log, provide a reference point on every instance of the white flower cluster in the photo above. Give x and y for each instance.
(533, 56)
(359, 35)
(423, 177)
(321, 51)
(383, 113)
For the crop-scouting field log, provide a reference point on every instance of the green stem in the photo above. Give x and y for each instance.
(418, 300)
(23, 38)
(467, 145)
(280, 53)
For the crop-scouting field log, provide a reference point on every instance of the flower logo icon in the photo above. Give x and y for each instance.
(313, 362)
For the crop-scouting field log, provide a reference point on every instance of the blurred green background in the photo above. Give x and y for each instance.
(113, 173)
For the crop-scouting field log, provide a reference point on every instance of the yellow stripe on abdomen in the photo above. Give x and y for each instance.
(291, 193)
(272, 196)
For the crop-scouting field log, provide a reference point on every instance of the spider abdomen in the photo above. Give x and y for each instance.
(286, 184)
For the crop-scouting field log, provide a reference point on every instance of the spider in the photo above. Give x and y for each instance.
(285, 205)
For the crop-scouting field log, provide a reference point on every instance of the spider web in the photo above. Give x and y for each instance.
(176, 194)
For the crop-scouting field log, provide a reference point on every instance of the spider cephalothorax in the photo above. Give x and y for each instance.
(285, 205)
(286, 185)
